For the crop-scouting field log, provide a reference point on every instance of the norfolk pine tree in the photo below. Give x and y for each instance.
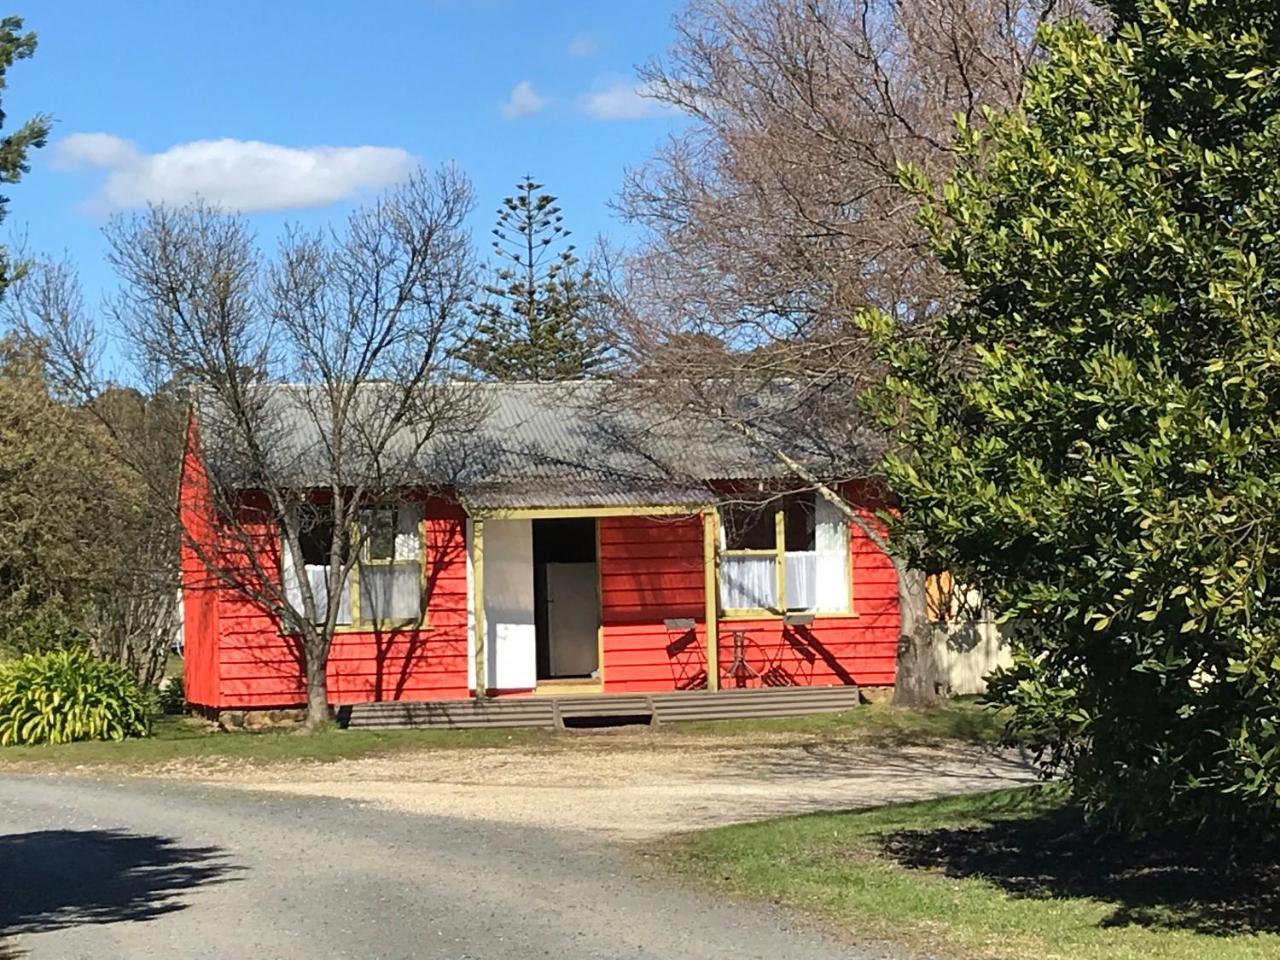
(531, 322)
(1098, 447)
(15, 45)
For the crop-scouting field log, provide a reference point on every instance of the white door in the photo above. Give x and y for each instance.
(572, 619)
(511, 658)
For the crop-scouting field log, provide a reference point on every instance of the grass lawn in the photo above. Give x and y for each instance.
(176, 739)
(881, 723)
(1007, 875)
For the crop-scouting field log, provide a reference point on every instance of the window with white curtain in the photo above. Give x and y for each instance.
(391, 565)
(832, 569)
(748, 583)
(316, 540)
(795, 547)
(388, 577)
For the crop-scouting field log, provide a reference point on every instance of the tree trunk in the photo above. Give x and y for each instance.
(916, 681)
(318, 712)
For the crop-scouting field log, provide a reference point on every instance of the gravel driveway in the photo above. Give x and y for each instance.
(147, 870)
(451, 854)
(621, 786)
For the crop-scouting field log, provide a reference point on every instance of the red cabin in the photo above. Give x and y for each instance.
(561, 565)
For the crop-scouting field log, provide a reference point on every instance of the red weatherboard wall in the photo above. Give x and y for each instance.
(861, 648)
(199, 590)
(259, 667)
(650, 571)
(236, 657)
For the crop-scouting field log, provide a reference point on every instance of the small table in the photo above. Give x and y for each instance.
(738, 668)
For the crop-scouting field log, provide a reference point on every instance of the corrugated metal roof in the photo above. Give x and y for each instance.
(582, 492)
(511, 445)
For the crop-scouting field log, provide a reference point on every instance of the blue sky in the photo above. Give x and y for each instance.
(183, 97)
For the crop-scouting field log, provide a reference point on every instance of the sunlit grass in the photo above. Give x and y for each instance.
(881, 723)
(1011, 875)
(177, 739)
(188, 739)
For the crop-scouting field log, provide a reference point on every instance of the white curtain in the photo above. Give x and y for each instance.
(831, 538)
(802, 577)
(748, 582)
(409, 532)
(318, 577)
(391, 591)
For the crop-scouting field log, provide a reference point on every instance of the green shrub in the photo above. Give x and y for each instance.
(50, 626)
(69, 695)
(1089, 439)
(171, 696)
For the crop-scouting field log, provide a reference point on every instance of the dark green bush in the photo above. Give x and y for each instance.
(1089, 439)
(69, 695)
(171, 696)
(51, 626)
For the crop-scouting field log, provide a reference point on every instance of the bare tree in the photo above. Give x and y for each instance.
(778, 209)
(320, 378)
(776, 215)
(135, 620)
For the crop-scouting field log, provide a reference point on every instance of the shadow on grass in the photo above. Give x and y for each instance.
(56, 879)
(1172, 882)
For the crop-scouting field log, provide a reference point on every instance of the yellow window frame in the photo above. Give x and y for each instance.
(779, 554)
(358, 622)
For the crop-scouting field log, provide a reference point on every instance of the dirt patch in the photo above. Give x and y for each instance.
(639, 794)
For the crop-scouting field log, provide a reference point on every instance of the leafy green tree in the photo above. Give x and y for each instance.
(15, 45)
(88, 531)
(532, 319)
(1093, 439)
(65, 509)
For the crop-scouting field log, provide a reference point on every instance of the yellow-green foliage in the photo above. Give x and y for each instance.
(69, 695)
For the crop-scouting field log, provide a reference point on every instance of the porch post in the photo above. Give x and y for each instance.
(709, 536)
(477, 579)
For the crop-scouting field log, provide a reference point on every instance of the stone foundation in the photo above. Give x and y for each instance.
(259, 720)
(876, 694)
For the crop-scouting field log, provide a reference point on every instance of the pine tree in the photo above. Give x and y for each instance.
(532, 315)
(31, 135)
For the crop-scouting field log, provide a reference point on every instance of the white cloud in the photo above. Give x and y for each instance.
(523, 102)
(583, 45)
(246, 175)
(624, 100)
(93, 150)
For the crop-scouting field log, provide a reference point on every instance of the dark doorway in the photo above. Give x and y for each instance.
(566, 598)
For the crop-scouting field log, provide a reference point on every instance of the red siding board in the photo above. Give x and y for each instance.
(200, 607)
(237, 657)
(832, 651)
(651, 570)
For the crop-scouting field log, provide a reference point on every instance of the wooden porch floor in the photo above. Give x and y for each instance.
(553, 712)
